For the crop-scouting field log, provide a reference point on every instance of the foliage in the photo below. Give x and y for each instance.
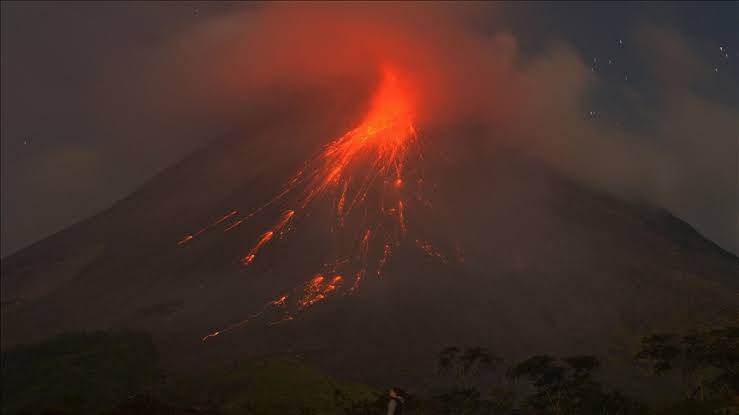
(78, 372)
(464, 366)
(707, 361)
(566, 386)
(113, 373)
(272, 386)
(151, 405)
(457, 401)
(502, 399)
(659, 351)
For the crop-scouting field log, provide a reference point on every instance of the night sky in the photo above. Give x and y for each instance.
(79, 130)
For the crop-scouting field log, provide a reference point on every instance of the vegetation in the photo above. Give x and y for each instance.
(706, 362)
(116, 373)
(270, 386)
(566, 386)
(78, 372)
(465, 366)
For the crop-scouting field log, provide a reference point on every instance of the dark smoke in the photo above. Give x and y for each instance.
(231, 70)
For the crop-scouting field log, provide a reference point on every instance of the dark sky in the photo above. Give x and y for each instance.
(75, 139)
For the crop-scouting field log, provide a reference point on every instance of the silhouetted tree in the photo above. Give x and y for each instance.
(465, 366)
(447, 359)
(659, 352)
(565, 386)
(707, 361)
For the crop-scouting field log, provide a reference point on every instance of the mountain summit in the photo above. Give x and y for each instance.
(505, 254)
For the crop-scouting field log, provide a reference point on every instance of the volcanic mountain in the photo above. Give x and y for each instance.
(506, 254)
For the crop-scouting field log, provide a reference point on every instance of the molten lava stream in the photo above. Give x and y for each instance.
(363, 171)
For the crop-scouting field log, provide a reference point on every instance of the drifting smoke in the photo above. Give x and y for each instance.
(267, 64)
(453, 75)
(463, 73)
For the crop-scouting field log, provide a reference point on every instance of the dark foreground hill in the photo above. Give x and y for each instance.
(549, 267)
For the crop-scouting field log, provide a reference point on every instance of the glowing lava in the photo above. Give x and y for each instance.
(318, 289)
(189, 237)
(385, 136)
(362, 174)
(280, 228)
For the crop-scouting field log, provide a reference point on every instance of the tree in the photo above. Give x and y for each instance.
(659, 352)
(546, 377)
(465, 366)
(475, 360)
(447, 359)
(707, 361)
(565, 386)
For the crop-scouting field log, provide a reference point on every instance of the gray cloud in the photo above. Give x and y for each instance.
(150, 102)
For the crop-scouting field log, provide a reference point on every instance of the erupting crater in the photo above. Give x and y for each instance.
(363, 174)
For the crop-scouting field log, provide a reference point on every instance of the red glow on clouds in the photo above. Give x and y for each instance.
(363, 173)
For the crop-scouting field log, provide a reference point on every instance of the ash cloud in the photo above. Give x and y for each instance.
(234, 68)
(464, 74)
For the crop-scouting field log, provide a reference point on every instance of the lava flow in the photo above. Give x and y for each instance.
(363, 174)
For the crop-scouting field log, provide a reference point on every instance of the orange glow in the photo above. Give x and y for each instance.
(214, 334)
(279, 229)
(387, 251)
(190, 237)
(429, 250)
(233, 225)
(382, 140)
(384, 136)
(317, 289)
(278, 303)
(401, 215)
(266, 237)
(342, 200)
(360, 175)
(362, 253)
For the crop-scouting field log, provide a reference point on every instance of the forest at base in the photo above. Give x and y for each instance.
(117, 372)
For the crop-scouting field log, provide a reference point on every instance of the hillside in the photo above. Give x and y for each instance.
(530, 262)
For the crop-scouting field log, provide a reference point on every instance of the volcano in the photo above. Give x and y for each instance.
(501, 251)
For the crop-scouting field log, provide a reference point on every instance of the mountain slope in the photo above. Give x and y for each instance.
(548, 267)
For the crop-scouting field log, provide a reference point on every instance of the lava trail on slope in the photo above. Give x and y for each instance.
(372, 177)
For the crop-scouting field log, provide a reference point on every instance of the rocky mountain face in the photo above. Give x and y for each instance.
(529, 262)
